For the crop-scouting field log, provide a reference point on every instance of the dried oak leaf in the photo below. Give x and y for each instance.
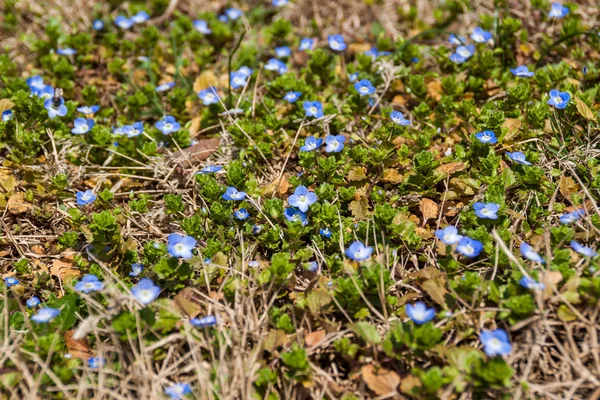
(380, 380)
(429, 209)
(199, 151)
(78, 348)
(64, 268)
(314, 338)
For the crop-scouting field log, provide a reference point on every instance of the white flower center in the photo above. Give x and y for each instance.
(179, 247)
(168, 127)
(313, 110)
(469, 249)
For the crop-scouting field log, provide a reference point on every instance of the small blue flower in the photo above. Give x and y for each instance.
(46, 92)
(326, 232)
(531, 284)
(419, 313)
(256, 229)
(84, 198)
(557, 10)
(457, 40)
(165, 86)
(353, 76)
(55, 107)
(313, 109)
(145, 291)
(180, 246)
(311, 143)
(33, 302)
(232, 193)
(495, 343)
(254, 264)
(469, 247)
(312, 266)
(209, 96)
(136, 269)
(210, 169)
(449, 235)
(486, 210)
(522, 72)
(233, 13)
(66, 51)
(571, 217)
(88, 110)
(133, 130)
(7, 115)
(123, 22)
(223, 18)
(11, 281)
(292, 97)
(559, 99)
(283, 51)
(279, 3)
(140, 17)
(480, 36)
(336, 42)
(583, 250)
(518, 157)
(35, 82)
(487, 137)
(374, 53)
(45, 315)
(238, 80)
(334, 143)
(98, 25)
(276, 65)
(178, 390)
(529, 253)
(294, 215)
(88, 284)
(82, 125)
(462, 54)
(245, 71)
(364, 87)
(357, 251)
(202, 27)
(241, 214)
(168, 125)
(398, 118)
(204, 322)
(306, 44)
(96, 362)
(302, 198)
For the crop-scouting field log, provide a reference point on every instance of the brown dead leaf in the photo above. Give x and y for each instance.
(434, 90)
(357, 174)
(199, 151)
(380, 380)
(451, 168)
(429, 209)
(584, 110)
(188, 301)
(409, 384)
(567, 186)
(204, 80)
(551, 279)
(38, 250)
(64, 268)
(195, 126)
(17, 204)
(359, 208)
(512, 126)
(5, 104)
(391, 175)
(426, 273)
(436, 289)
(78, 348)
(314, 338)
(399, 100)
(274, 339)
(356, 48)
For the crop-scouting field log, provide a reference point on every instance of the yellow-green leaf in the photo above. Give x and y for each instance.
(584, 110)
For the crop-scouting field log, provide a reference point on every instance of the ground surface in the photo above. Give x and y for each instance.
(297, 315)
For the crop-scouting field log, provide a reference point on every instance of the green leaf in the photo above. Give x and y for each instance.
(366, 332)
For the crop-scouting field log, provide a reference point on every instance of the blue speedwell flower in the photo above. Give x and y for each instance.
(96, 362)
(123, 22)
(233, 13)
(241, 214)
(45, 315)
(583, 250)
(374, 53)
(531, 284)
(311, 143)
(11, 281)
(357, 251)
(136, 269)
(312, 266)
(210, 169)
(88, 109)
(56, 107)
(67, 51)
(35, 82)
(353, 76)
(571, 217)
(364, 87)
(302, 198)
(238, 80)
(84, 198)
(140, 17)
(313, 109)
(419, 313)
(256, 229)
(306, 44)
(529, 253)
(7, 115)
(245, 71)
(522, 72)
(202, 26)
(209, 96)
(292, 97)
(557, 10)
(457, 40)
(98, 25)
(276, 65)
(283, 51)
(178, 390)
(32, 302)
(559, 99)
(82, 125)
(398, 118)
(486, 210)
(254, 264)
(469, 247)
(165, 86)
(480, 36)
(232, 193)
(336, 42)
(518, 157)
(204, 322)
(487, 137)
(295, 215)
(495, 343)
(88, 284)
(462, 53)
(133, 130)
(180, 246)
(279, 3)
(167, 125)
(325, 232)
(334, 143)
(449, 235)
(145, 291)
